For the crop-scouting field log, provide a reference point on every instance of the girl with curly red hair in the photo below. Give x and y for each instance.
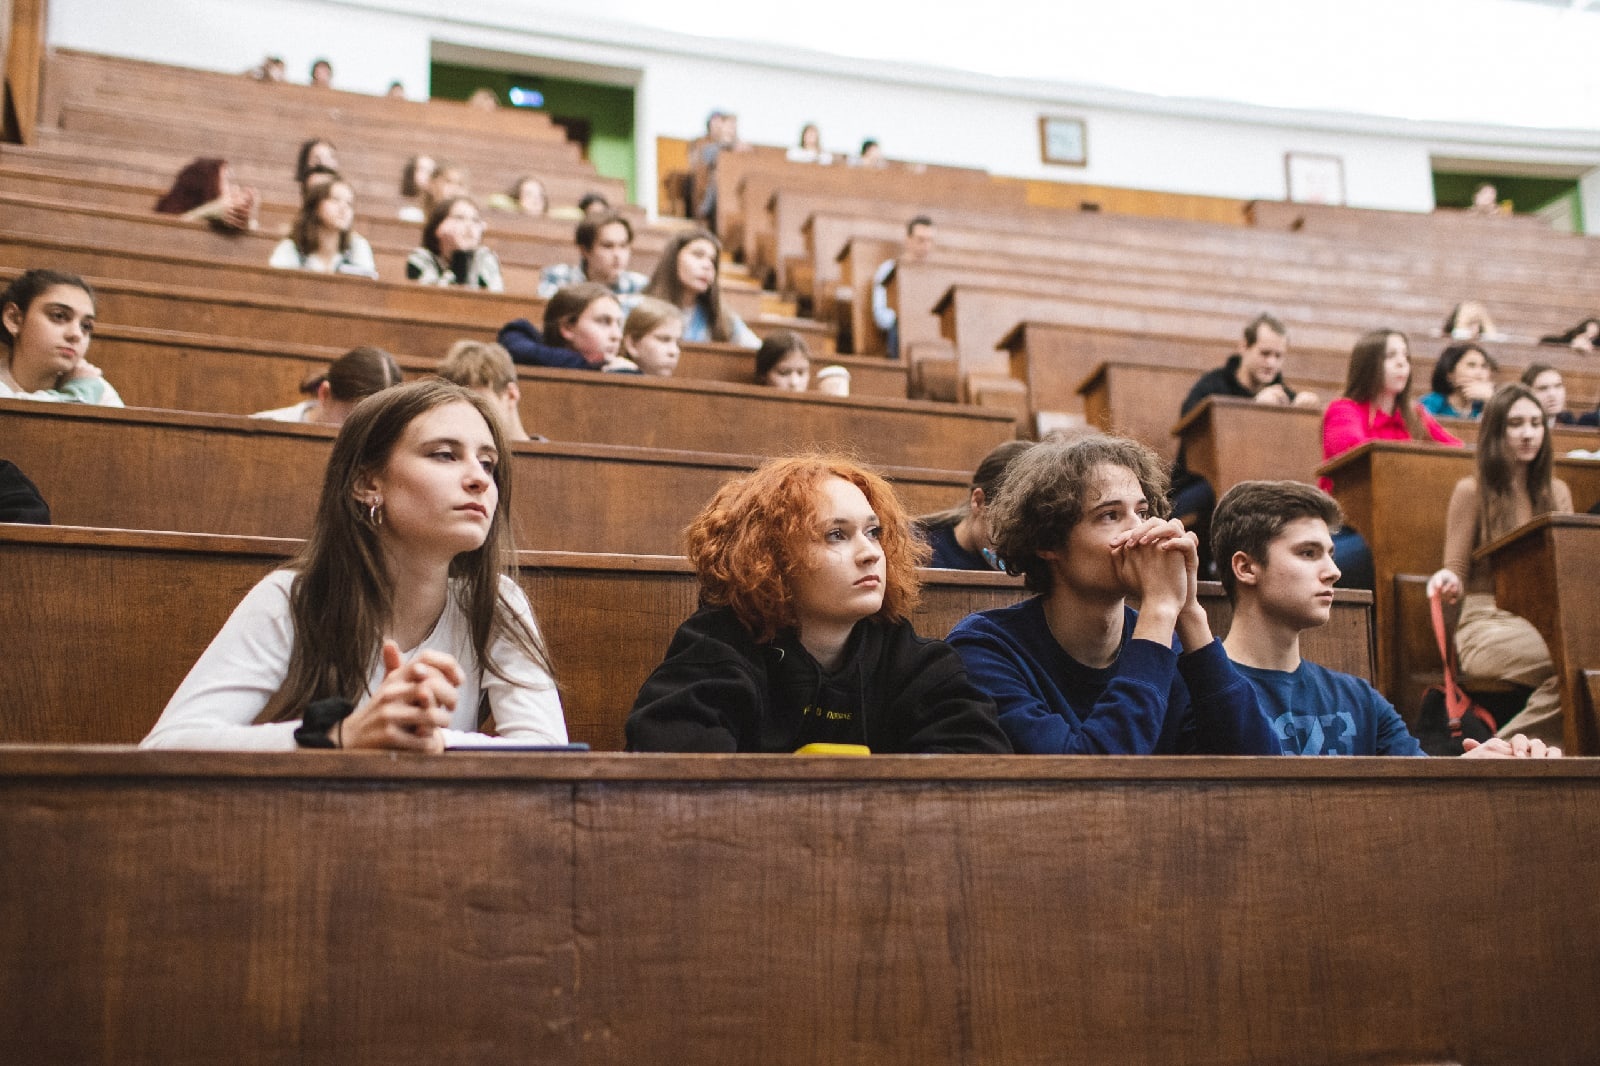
(807, 575)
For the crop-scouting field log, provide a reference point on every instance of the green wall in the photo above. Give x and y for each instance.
(607, 108)
(1527, 195)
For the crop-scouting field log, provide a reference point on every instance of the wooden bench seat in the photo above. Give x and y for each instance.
(147, 469)
(162, 597)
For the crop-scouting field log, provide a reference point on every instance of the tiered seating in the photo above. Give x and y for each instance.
(612, 866)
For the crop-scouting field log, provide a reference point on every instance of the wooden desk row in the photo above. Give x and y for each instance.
(150, 369)
(152, 602)
(605, 909)
(171, 470)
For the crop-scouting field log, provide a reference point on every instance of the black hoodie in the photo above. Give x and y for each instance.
(720, 691)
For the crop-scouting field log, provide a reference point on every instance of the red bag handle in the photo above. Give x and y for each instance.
(1456, 702)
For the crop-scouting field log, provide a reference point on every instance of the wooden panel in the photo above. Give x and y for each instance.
(615, 909)
(1230, 439)
(23, 67)
(246, 919)
(746, 419)
(1058, 362)
(226, 474)
(1548, 572)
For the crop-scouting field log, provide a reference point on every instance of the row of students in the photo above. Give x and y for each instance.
(399, 614)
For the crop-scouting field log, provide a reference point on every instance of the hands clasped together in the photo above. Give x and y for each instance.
(412, 706)
(1158, 562)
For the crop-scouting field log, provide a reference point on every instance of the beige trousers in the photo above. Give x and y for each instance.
(1498, 644)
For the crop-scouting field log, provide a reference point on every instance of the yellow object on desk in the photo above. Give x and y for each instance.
(834, 749)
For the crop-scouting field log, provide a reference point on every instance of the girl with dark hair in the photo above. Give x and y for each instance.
(452, 251)
(1376, 405)
(322, 239)
(399, 612)
(316, 152)
(582, 331)
(1462, 382)
(810, 148)
(204, 191)
(807, 576)
(48, 319)
(783, 361)
(1075, 670)
(414, 179)
(959, 536)
(1583, 337)
(1550, 389)
(334, 393)
(1513, 485)
(688, 278)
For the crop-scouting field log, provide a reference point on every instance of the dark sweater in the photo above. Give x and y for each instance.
(19, 498)
(948, 554)
(1223, 381)
(1150, 701)
(717, 690)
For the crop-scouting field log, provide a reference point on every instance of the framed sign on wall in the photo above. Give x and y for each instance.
(1314, 179)
(1063, 141)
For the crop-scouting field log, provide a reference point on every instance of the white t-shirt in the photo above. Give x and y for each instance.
(244, 666)
(295, 412)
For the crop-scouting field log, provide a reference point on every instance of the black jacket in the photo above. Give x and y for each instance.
(1223, 381)
(720, 691)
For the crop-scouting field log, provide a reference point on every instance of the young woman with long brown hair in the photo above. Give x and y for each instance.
(398, 614)
(1513, 485)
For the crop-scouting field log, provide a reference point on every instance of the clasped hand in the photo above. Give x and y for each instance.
(411, 707)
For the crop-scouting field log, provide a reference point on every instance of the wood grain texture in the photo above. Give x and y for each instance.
(227, 474)
(619, 909)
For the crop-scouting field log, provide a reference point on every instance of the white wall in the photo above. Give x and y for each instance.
(940, 116)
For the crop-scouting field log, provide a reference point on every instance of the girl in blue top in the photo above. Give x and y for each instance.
(689, 278)
(1463, 380)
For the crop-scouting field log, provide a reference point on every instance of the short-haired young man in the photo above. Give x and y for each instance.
(487, 370)
(1274, 552)
(920, 233)
(605, 245)
(1254, 372)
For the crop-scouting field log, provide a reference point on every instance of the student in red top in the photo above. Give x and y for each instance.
(1376, 405)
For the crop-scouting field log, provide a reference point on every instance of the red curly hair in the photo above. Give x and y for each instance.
(751, 537)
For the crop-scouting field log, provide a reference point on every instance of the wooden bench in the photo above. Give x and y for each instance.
(1548, 572)
(155, 600)
(171, 470)
(609, 909)
(977, 319)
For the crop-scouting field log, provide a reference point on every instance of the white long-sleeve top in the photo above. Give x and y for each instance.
(230, 684)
